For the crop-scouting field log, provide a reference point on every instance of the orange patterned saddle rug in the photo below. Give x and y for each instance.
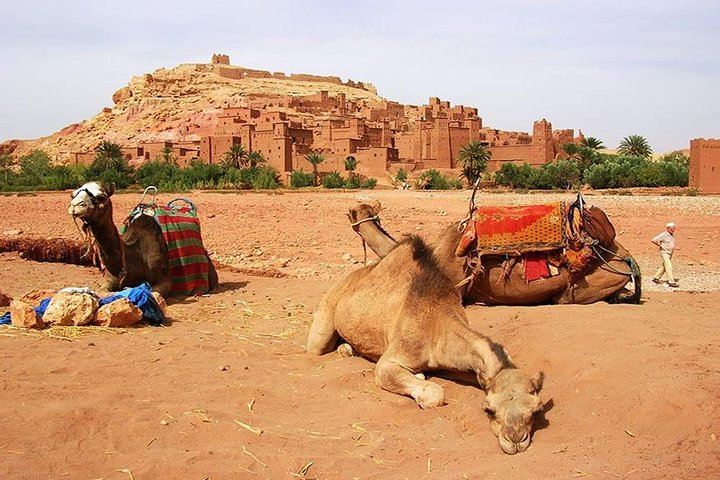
(515, 230)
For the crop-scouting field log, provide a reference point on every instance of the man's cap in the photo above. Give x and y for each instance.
(670, 225)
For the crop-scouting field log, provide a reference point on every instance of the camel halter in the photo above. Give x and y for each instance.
(374, 218)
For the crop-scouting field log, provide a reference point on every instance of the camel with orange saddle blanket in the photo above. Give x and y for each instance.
(558, 253)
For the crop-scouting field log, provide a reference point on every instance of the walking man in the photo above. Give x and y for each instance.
(666, 242)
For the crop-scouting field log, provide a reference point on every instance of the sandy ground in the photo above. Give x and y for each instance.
(226, 390)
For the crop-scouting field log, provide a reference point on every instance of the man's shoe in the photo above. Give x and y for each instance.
(673, 284)
(655, 280)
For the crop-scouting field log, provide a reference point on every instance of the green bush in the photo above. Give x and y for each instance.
(355, 181)
(369, 183)
(299, 179)
(434, 180)
(510, 175)
(158, 173)
(333, 180)
(401, 175)
(266, 178)
(201, 175)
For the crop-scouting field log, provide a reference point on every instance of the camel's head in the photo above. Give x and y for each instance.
(90, 201)
(512, 400)
(363, 212)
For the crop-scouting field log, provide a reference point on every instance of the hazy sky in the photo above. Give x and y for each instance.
(609, 68)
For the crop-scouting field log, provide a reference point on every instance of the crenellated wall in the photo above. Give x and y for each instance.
(221, 66)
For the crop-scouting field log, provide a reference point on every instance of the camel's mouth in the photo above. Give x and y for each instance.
(510, 447)
(78, 211)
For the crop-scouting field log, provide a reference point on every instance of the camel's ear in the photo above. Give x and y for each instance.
(377, 207)
(538, 380)
(109, 188)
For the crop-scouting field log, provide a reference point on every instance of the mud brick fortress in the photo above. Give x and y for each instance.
(384, 136)
(705, 165)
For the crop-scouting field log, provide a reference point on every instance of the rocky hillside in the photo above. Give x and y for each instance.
(171, 104)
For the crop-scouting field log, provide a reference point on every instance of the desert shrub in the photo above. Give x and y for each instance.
(599, 176)
(333, 180)
(564, 174)
(510, 175)
(434, 180)
(266, 178)
(299, 179)
(158, 173)
(201, 175)
(369, 183)
(354, 181)
(401, 175)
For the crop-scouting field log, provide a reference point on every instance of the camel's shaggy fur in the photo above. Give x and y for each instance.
(405, 314)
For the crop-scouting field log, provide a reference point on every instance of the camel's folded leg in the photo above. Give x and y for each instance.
(163, 286)
(395, 378)
(322, 337)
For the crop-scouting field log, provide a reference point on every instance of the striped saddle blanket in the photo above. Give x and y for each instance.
(180, 226)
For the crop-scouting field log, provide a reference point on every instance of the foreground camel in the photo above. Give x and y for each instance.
(140, 255)
(604, 279)
(404, 313)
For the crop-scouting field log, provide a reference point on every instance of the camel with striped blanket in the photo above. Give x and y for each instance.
(140, 254)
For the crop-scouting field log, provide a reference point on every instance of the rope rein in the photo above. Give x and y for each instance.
(374, 218)
(595, 248)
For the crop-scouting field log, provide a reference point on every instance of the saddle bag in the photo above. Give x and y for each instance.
(598, 226)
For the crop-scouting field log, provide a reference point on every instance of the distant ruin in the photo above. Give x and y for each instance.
(705, 165)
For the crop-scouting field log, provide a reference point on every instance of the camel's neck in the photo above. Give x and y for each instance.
(376, 238)
(444, 250)
(466, 350)
(109, 243)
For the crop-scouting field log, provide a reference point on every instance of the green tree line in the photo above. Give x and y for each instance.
(239, 169)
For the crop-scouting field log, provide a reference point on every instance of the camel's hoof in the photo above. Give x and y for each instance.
(345, 350)
(431, 395)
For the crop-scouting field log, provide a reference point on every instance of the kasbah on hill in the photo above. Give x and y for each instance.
(339, 119)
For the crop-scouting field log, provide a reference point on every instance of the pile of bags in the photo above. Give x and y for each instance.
(81, 306)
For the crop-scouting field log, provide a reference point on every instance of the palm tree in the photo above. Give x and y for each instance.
(572, 150)
(474, 158)
(315, 159)
(255, 158)
(236, 156)
(167, 155)
(585, 153)
(350, 165)
(635, 146)
(592, 143)
(108, 155)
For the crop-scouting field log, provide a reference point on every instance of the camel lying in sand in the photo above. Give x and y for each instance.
(604, 279)
(404, 313)
(139, 255)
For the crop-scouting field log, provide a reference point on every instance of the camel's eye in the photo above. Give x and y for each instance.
(490, 411)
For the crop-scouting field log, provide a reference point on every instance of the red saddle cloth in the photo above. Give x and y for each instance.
(516, 230)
